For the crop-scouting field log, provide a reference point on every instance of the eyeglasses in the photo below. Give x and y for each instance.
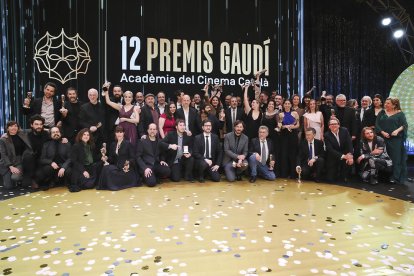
(333, 124)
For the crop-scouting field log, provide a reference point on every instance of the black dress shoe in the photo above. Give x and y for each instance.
(373, 181)
(201, 180)
(392, 182)
(238, 178)
(252, 179)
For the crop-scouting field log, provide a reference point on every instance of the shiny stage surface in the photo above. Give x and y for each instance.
(266, 228)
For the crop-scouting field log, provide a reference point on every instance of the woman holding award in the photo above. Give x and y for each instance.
(119, 171)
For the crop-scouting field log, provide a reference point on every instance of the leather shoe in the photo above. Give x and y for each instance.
(252, 179)
(238, 178)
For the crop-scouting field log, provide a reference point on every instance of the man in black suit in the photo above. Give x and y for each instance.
(346, 116)
(54, 161)
(92, 117)
(47, 106)
(148, 158)
(207, 153)
(261, 161)
(311, 158)
(70, 111)
(176, 150)
(189, 115)
(339, 151)
(149, 115)
(233, 114)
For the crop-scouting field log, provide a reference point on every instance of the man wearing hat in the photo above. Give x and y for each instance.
(149, 114)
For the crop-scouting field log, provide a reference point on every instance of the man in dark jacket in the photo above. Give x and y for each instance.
(70, 112)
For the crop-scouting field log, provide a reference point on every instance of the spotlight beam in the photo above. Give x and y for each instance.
(405, 43)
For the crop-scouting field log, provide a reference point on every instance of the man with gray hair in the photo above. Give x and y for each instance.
(366, 102)
(261, 160)
(346, 115)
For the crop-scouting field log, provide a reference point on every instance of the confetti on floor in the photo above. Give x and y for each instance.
(209, 229)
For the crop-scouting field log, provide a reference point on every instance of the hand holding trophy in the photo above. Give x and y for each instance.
(63, 109)
(126, 166)
(299, 171)
(103, 152)
(28, 99)
(105, 88)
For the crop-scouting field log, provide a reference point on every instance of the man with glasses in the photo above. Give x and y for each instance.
(346, 116)
(339, 151)
(207, 153)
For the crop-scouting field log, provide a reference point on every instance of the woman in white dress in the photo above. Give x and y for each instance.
(314, 118)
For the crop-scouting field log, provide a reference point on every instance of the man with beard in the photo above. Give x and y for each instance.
(139, 99)
(111, 114)
(197, 101)
(47, 106)
(227, 101)
(70, 111)
(176, 152)
(236, 146)
(149, 115)
(54, 162)
(278, 101)
(263, 100)
(326, 108)
(91, 116)
(161, 104)
(15, 155)
(148, 158)
(233, 114)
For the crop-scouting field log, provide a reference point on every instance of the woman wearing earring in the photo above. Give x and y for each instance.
(392, 125)
(119, 171)
(314, 118)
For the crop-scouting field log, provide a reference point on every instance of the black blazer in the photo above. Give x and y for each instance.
(254, 146)
(49, 151)
(168, 155)
(333, 149)
(125, 153)
(200, 146)
(91, 115)
(70, 123)
(145, 156)
(145, 119)
(193, 121)
(77, 157)
(239, 116)
(369, 118)
(348, 120)
(36, 108)
(303, 155)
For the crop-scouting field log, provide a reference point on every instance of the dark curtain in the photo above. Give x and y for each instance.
(347, 51)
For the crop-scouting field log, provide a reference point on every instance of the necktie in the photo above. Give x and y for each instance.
(234, 115)
(362, 113)
(207, 148)
(310, 151)
(264, 153)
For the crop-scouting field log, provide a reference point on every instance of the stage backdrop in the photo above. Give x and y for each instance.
(147, 45)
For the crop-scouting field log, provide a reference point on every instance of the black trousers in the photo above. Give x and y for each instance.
(185, 164)
(337, 169)
(203, 168)
(46, 175)
(316, 169)
(158, 171)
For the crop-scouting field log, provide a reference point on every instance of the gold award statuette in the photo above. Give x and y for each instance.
(299, 171)
(126, 166)
(28, 99)
(103, 152)
(105, 88)
(63, 102)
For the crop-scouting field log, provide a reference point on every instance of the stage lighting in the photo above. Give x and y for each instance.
(386, 21)
(398, 33)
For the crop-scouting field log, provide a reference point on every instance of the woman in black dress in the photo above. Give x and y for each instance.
(85, 160)
(119, 170)
(254, 116)
(371, 114)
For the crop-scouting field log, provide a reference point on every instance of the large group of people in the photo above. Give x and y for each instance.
(128, 140)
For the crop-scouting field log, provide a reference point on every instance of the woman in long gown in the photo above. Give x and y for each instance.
(128, 115)
(254, 116)
(166, 123)
(295, 99)
(289, 124)
(119, 172)
(314, 118)
(392, 126)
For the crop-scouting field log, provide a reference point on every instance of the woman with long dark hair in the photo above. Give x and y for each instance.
(166, 122)
(119, 171)
(253, 115)
(371, 114)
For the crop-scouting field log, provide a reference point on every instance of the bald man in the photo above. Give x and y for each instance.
(189, 115)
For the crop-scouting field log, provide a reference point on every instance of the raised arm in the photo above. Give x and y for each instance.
(111, 103)
(247, 107)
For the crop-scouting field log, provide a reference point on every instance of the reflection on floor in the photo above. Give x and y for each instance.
(268, 228)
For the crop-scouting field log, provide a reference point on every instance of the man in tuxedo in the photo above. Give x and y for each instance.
(47, 106)
(207, 153)
(70, 111)
(261, 161)
(54, 162)
(92, 117)
(149, 115)
(233, 114)
(311, 157)
(148, 158)
(339, 151)
(176, 151)
(236, 146)
(189, 115)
